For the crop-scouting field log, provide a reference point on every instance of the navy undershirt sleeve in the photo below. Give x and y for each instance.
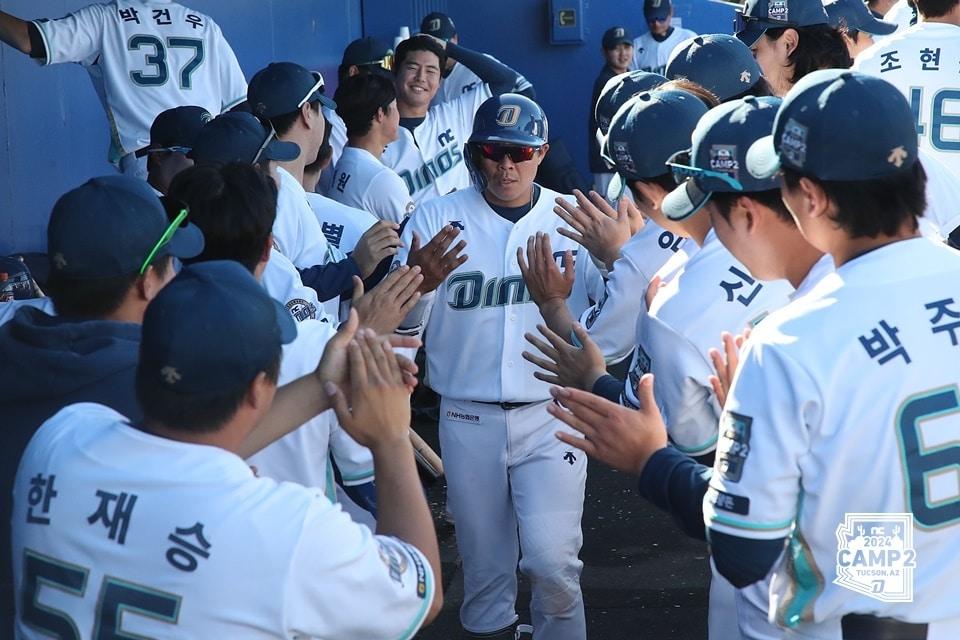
(499, 77)
(743, 561)
(675, 483)
(609, 387)
(332, 279)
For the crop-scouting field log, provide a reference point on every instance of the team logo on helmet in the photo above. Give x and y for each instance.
(777, 10)
(723, 158)
(793, 142)
(508, 115)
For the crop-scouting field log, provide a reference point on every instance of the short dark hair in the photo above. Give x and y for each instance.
(234, 205)
(98, 298)
(819, 46)
(359, 98)
(935, 8)
(665, 181)
(284, 122)
(869, 208)
(194, 413)
(760, 89)
(418, 43)
(770, 199)
(706, 96)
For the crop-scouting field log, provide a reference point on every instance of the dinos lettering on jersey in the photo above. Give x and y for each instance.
(432, 169)
(470, 290)
(669, 240)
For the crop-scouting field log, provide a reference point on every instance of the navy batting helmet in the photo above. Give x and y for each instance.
(506, 119)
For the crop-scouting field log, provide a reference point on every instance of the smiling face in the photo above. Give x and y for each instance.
(619, 57)
(509, 183)
(418, 79)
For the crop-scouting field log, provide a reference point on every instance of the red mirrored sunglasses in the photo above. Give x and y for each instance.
(497, 152)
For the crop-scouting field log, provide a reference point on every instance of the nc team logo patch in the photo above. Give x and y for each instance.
(301, 309)
(793, 143)
(618, 33)
(508, 115)
(777, 10)
(875, 555)
(723, 158)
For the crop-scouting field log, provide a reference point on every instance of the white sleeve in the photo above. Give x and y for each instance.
(943, 194)
(387, 197)
(233, 86)
(764, 433)
(345, 582)
(611, 322)
(76, 37)
(353, 459)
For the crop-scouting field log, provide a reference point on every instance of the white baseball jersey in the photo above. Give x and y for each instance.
(146, 56)
(478, 315)
(922, 63)
(342, 225)
(845, 411)
(129, 533)
(901, 14)
(612, 321)
(338, 140)
(430, 159)
(711, 293)
(650, 55)
(282, 281)
(460, 81)
(296, 231)
(362, 181)
(943, 195)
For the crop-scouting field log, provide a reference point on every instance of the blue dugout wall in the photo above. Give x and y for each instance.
(53, 133)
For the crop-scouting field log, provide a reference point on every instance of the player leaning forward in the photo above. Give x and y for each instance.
(506, 472)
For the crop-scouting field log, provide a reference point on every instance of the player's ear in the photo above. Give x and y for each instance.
(815, 199)
(543, 153)
(789, 41)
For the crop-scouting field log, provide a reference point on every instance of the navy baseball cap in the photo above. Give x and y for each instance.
(618, 90)
(176, 129)
(717, 62)
(108, 226)
(837, 124)
(658, 9)
(365, 51)
(238, 136)
(284, 87)
(759, 15)
(438, 25)
(647, 131)
(716, 161)
(615, 36)
(855, 16)
(212, 329)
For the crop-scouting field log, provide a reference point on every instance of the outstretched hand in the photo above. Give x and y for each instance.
(566, 365)
(726, 364)
(385, 306)
(613, 434)
(597, 226)
(434, 259)
(545, 283)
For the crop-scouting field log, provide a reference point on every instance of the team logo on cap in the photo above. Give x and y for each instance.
(898, 156)
(723, 158)
(793, 142)
(777, 10)
(618, 33)
(508, 115)
(170, 375)
(622, 157)
(745, 77)
(434, 25)
(656, 3)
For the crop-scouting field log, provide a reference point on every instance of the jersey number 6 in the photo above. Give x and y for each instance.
(116, 596)
(158, 59)
(931, 462)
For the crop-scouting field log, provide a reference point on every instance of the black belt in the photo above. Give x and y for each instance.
(507, 406)
(856, 626)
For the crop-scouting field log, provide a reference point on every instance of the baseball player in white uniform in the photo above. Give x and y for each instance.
(922, 61)
(651, 50)
(143, 56)
(368, 104)
(511, 487)
(111, 543)
(428, 153)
